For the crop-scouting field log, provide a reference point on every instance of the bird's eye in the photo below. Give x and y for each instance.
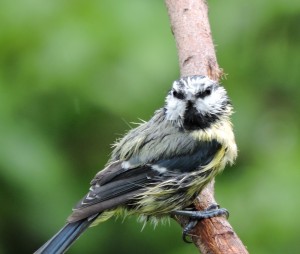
(179, 95)
(204, 93)
(207, 92)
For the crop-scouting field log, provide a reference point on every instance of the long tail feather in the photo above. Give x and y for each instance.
(63, 239)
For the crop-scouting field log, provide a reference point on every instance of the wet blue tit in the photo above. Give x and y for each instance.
(158, 169)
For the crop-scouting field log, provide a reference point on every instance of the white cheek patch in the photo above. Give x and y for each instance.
(175, 108)
(213, 103)
(214, 98)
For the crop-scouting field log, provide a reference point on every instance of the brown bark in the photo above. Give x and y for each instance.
(191, 29)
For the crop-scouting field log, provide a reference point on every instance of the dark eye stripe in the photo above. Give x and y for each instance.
(179, 95)
(204, 93)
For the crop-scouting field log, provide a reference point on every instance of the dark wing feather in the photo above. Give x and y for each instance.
(202, 155)
(116, 185)
(107, 174)
(130, 181)
(115, 189)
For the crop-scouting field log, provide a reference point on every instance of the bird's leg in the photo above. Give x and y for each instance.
(212, 211)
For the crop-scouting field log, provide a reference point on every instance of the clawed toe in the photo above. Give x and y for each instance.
(212, 211)
(187, 229)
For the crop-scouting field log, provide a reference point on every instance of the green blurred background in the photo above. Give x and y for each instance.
(74, 74)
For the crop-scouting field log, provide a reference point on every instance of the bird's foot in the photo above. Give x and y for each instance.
(212, 211)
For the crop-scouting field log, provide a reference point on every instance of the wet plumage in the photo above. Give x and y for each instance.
(163, 164)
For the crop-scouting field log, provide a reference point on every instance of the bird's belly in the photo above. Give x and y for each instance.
(168, 196)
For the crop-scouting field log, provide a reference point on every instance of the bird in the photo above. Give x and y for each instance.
(158, 168)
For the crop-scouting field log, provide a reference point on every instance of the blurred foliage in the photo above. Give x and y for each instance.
(74, 74)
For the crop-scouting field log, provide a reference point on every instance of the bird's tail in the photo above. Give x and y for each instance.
(63, 239)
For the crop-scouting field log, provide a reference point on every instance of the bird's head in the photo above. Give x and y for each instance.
(196, 102)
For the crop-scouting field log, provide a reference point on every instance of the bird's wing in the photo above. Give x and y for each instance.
(113, 186)
(120, 181)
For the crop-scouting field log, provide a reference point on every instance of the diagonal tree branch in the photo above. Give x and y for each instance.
(191, 29)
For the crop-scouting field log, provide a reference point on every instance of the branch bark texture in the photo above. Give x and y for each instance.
(191, 29)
